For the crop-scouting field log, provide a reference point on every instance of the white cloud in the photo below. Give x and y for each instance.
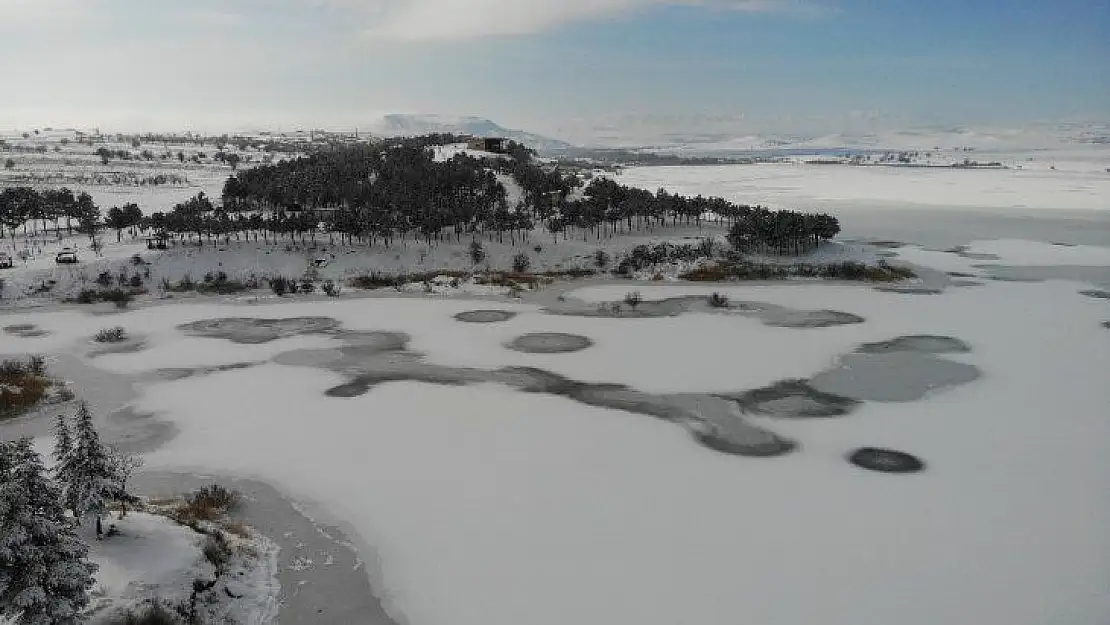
(469, 19)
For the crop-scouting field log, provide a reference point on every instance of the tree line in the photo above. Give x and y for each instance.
(394, 189)
(387, 190)
(28, 208)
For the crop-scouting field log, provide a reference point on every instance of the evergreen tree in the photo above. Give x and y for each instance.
(90, 479)
(63, 448)
(45, 574)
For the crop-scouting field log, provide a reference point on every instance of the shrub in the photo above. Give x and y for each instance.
(330, 288)
(477, 252)
(601, 259)
(521, 263)
(186, 283)
(237, 528)
(136, 282)
(373, 280)
(207, 503)
(279, 285)
(104, 279)
(716, 300)
(136, 260)
(36, 365)
(22, 385)
(119, 297)
(153, 612)
(633, 299)
(216, 550)
(307, 287)
(111, 335)
(87, 296)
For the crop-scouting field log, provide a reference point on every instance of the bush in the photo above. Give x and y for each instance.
(477, 252)
(216, 550)
(716, 300)
(633, 299)
(22, 385)
(521, 263)
(207, 503)
(104, 279)
(154, 612)
(373, 280)
(601, 259)
(330, 288)
(279, 285)
(36, 365)
(849, 270)
(111, 335)
(307, 287)
(87, 296)
(136, 260)
(119, 297)
(136, 282)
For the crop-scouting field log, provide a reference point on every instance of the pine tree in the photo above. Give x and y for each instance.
(45, 574)
(63, 447)
(90, 480)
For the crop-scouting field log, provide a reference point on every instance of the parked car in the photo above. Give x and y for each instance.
(6, 261)
(67, 256)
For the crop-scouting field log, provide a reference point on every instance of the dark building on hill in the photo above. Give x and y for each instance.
(488, 144)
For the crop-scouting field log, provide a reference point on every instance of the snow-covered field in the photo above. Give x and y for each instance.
(793, 185)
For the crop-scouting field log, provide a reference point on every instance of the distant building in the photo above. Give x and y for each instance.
(488, 144)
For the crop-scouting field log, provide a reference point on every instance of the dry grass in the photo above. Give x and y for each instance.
(206, 504)
(237, 528)
(726, 271)
(23, 384)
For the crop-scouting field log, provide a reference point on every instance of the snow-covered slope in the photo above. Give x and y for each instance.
(400, 125)
(699, 134)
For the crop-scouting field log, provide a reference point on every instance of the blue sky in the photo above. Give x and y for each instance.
(553, 65)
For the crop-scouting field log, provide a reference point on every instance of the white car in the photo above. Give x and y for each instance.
(67, 256)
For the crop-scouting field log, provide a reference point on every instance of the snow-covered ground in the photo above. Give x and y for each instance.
(149, 555)
(796, 185)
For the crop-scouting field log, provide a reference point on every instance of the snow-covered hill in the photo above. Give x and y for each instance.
(399, 125)
(713, 135)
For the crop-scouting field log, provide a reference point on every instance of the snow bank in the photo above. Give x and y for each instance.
(149, 554)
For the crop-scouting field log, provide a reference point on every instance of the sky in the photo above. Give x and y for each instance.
(567, 68)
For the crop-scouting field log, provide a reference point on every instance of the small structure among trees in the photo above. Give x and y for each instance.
(495, 145)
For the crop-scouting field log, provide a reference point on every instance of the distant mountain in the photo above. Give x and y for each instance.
(401, 125)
